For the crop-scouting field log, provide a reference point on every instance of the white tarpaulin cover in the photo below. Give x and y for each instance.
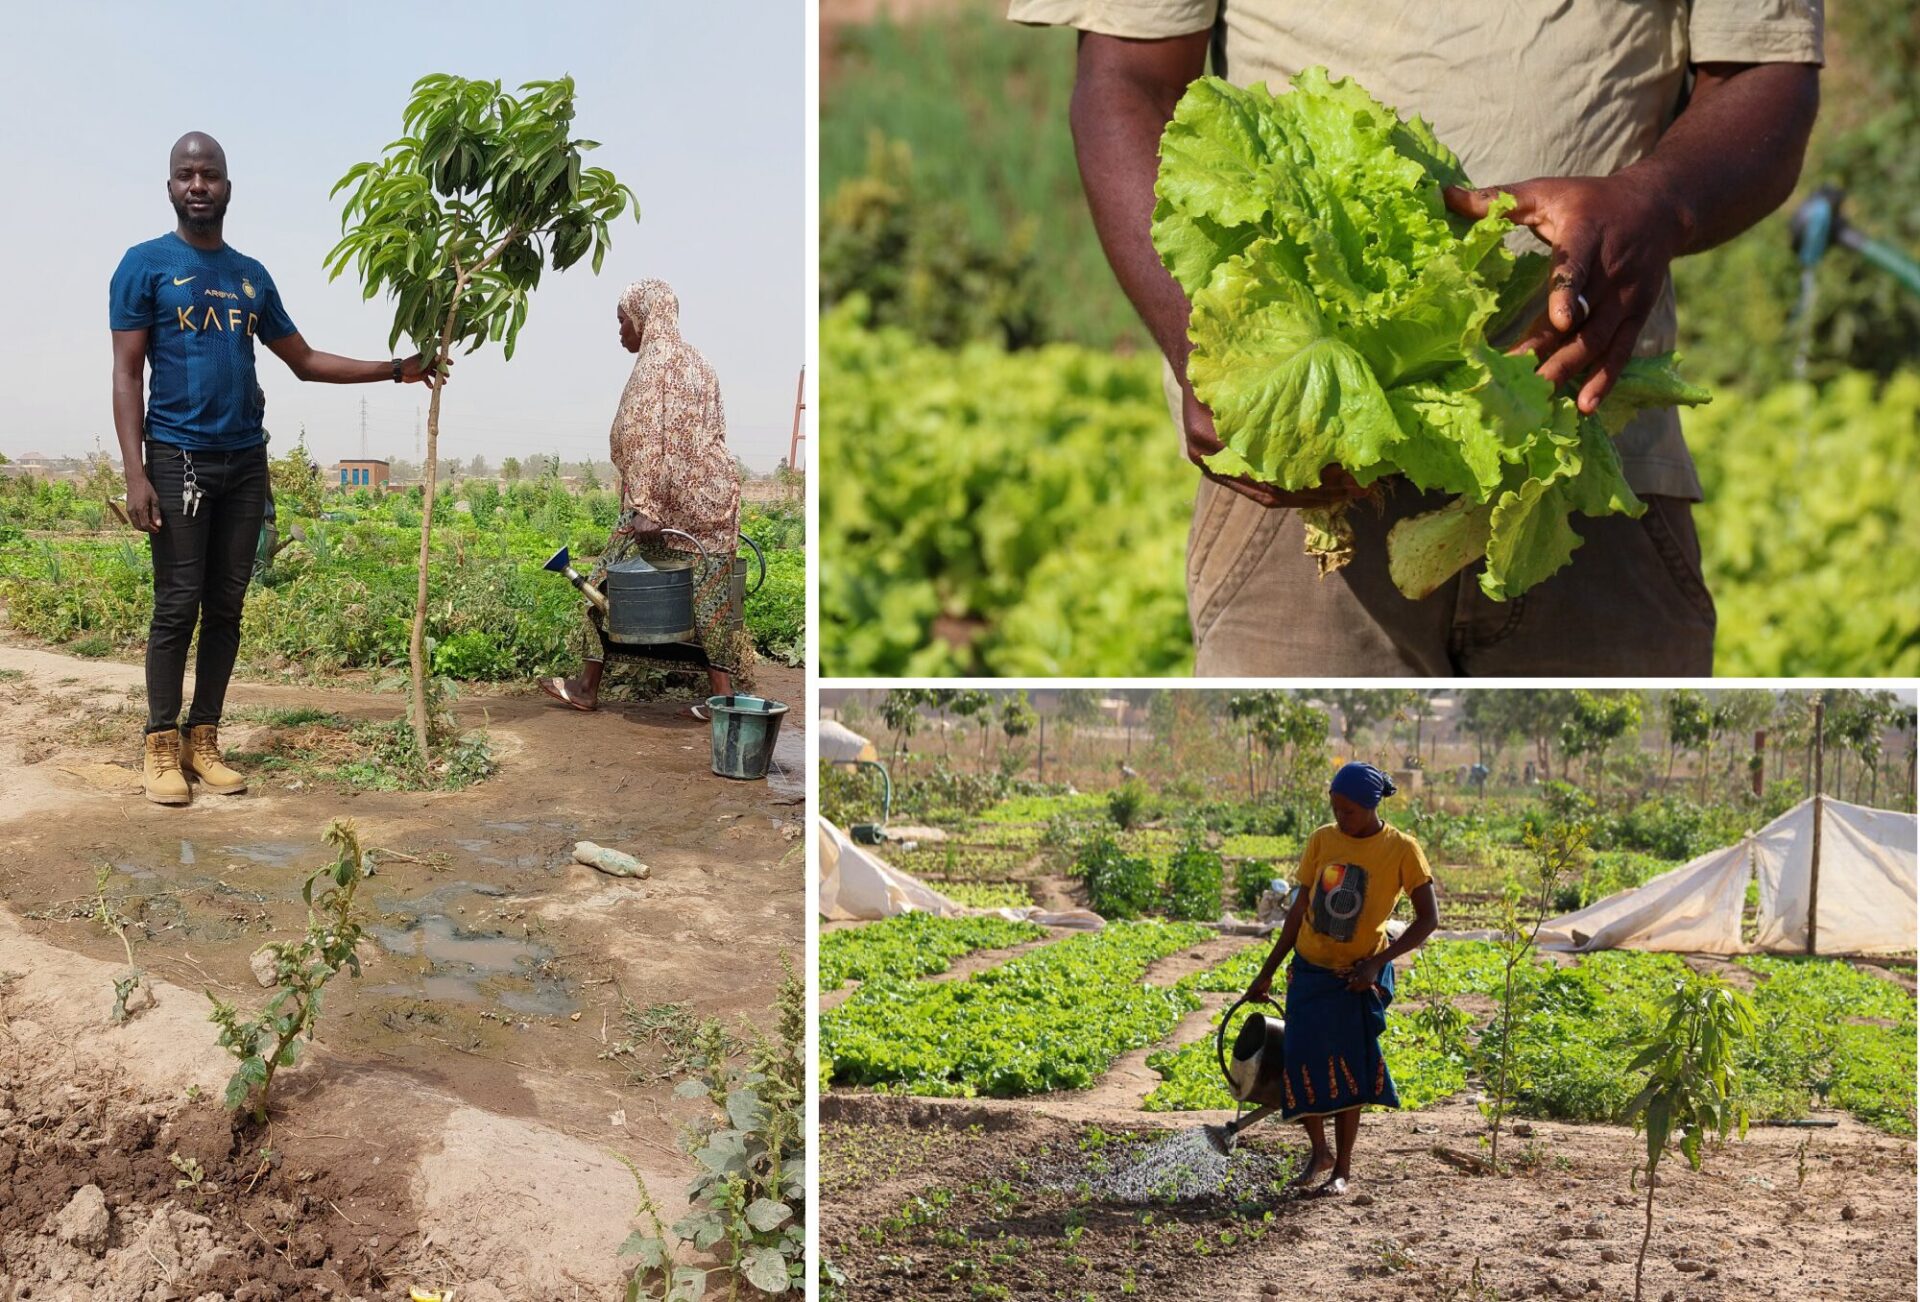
(855, 883)
(1866, 880)
(1867, 896)
(1695, 907)
(840, 744)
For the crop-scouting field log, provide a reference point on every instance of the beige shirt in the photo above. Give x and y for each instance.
(1516, 88)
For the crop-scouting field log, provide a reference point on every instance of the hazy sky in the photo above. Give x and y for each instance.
(698, 107)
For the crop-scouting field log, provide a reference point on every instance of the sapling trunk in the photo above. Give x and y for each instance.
(417, 645)
(1506, 1053)
(1640, 1263)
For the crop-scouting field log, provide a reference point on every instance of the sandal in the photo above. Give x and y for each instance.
(557, 689)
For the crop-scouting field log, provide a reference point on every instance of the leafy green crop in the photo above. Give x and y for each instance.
(912, 945)
(1119, 885)
(988, 512)
(1053, 1019)
(1811, 528)
(342, 599)
(988, 895)
(1342, 316)
(1195, 877)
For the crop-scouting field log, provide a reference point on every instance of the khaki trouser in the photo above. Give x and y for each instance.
(1632, 602)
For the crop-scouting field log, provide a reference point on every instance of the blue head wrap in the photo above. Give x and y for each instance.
(1363, 784)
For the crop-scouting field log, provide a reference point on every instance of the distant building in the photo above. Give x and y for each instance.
(362, 474)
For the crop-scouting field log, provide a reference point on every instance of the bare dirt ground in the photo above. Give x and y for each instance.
(926, 1198)
(457, 1095)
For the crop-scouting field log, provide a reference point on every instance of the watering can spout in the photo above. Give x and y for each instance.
(561, 562)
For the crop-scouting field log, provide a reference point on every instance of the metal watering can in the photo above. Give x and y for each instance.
(1253, 1072)
(644, 603)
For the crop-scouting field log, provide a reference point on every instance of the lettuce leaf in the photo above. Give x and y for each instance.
(1341, 315)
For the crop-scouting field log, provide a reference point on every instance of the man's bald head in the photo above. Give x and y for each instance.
(197, 145)
(197, 185)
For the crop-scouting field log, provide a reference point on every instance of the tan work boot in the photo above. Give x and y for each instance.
(200, 760)
(165, 783)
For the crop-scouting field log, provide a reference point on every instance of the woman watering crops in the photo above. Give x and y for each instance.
(669, 447)
(1352, 873)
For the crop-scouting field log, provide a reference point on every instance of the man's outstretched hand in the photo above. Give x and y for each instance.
(1336, 485)
(1613, 239)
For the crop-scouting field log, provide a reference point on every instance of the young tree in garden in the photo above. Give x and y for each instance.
(1687, 714)
(455, 222)
(1491, 720)
(1524, 908)
(900, 711)
(1737, 715)
(1597, 720)
(1360, 708)
(1017, 717)
(1689, 1063)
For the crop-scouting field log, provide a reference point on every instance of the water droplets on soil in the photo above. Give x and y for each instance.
(1174, 1167)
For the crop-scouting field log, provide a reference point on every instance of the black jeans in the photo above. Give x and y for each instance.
(202, 564)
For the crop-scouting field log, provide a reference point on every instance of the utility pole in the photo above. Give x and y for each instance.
(799, 405)
(1819, 775)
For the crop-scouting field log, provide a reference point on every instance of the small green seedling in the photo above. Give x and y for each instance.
(1689, 1063)
(109, 918)
(269, 1041)
(192, 1174)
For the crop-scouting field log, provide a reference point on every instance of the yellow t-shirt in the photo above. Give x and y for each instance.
(1353, 884)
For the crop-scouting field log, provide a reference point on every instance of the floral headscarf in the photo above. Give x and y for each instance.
(669, 440)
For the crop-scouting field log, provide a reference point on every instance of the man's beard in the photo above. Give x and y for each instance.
(201, 225)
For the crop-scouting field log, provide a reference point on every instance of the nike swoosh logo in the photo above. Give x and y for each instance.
(181, 280)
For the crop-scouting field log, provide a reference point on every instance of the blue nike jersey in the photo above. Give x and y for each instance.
(201, 310)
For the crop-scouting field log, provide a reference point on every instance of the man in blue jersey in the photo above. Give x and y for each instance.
(190, 306)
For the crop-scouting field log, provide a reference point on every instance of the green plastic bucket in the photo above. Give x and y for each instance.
(744, 731)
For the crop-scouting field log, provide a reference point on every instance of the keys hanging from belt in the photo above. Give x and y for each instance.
(190, 493)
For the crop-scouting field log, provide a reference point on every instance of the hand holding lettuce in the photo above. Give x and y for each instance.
(1341, 316)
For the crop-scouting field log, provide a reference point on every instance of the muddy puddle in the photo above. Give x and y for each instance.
(463, 943)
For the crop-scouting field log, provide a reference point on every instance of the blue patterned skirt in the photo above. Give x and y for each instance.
(1333, 1044)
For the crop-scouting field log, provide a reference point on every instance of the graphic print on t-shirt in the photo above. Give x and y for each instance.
(1337, 900)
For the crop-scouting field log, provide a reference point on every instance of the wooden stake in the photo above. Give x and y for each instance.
(1819, 774)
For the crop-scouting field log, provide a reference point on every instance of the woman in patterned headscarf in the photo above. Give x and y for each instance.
(669, 445)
